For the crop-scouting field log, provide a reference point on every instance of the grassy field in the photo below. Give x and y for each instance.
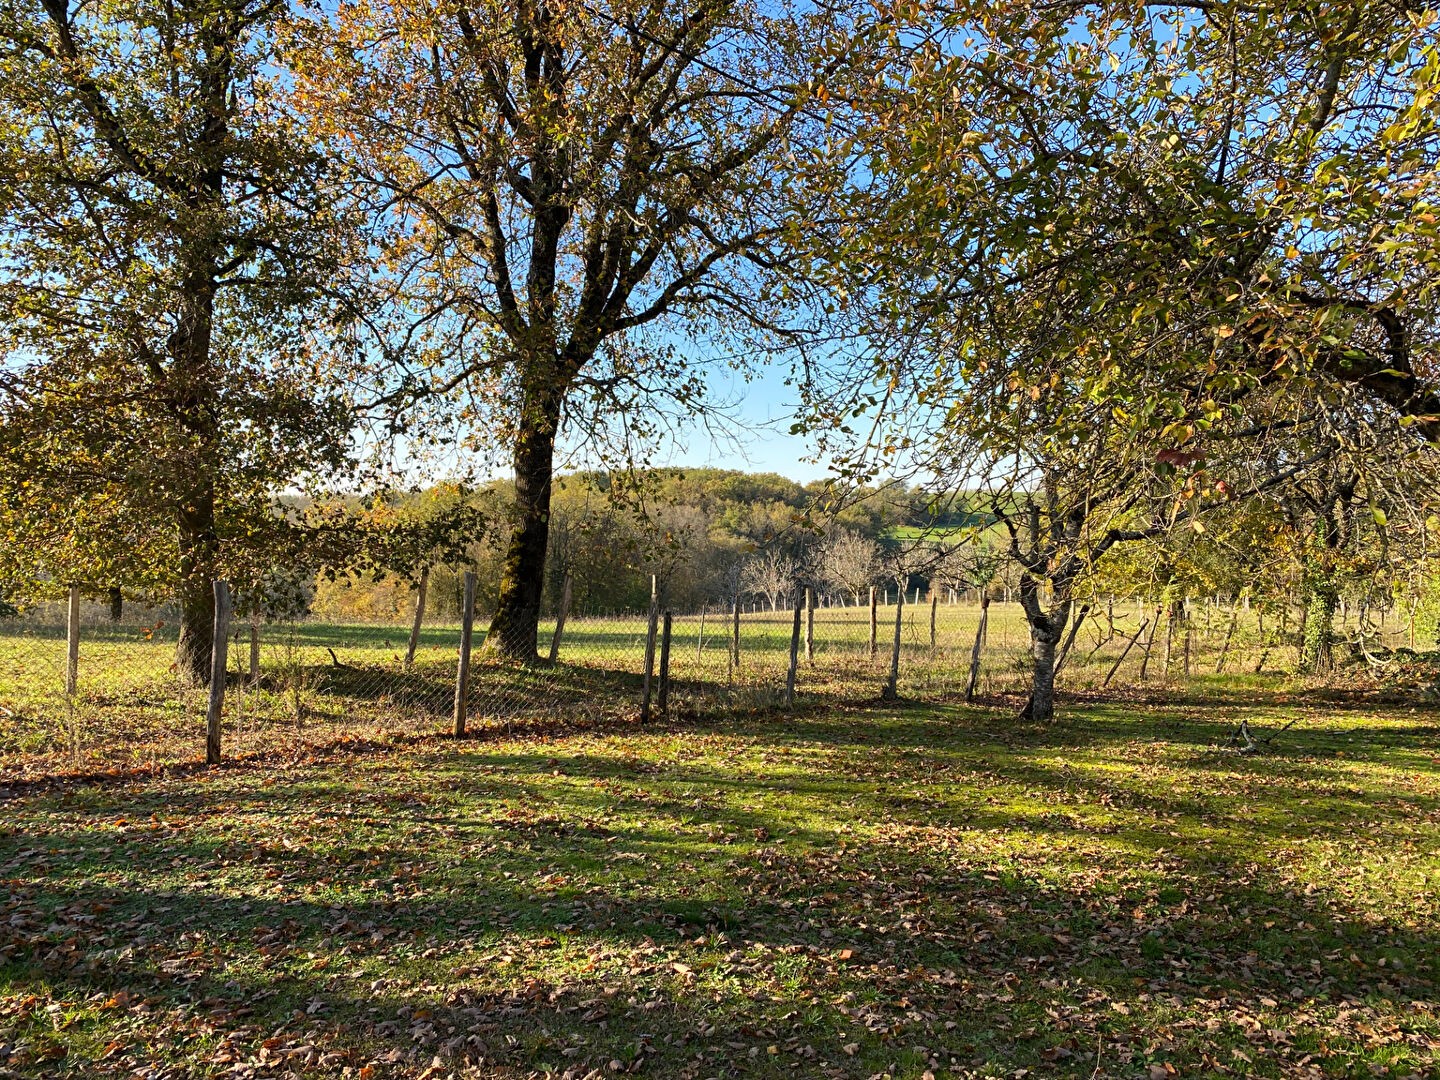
(326, 681)
(906, 893)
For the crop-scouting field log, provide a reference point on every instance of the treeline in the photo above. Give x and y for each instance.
(702, 533)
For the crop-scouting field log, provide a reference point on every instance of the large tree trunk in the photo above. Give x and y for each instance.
(1047, 627)
(1317, 643)
(117, 603)
(191, 382)
(1042, 686)
(515, 628)
(199, 547)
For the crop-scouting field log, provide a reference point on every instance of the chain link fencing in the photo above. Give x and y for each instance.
(108, 695)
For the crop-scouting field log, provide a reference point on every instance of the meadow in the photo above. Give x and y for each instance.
(315, 682)
(906, 892)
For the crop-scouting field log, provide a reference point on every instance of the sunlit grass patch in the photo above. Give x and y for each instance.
(849, 893)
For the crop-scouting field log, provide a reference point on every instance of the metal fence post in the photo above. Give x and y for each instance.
(650, 630)
(72, 642)
(975, 651)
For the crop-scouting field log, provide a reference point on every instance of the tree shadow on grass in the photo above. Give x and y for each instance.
(801, 948)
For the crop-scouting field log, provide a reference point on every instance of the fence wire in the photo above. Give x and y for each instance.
(293, 685)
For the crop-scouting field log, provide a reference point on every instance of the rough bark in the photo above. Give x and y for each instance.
(1317, 654)
(1042, 686)
(199, 547)
(515, 628)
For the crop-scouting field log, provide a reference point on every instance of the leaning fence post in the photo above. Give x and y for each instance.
(892, 684)
(700, 638)
(1070, 639)
(975, 650)
(1150, 643)
(560, 618)
(1121, 658)
(72, 642)
(462, 671)
(218, 655)
(934, 604)
(664, 696)
(794, 659)
(1229, 634)
(422, 586)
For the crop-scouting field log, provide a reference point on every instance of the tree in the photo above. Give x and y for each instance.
(771, 574)
(1095, 245)
(163, 225)
(849, 561)
(564, 191)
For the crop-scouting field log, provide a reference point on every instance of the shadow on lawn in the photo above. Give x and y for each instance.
(1001, 957)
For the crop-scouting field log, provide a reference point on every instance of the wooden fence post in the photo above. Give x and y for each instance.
(794, 659)
(700, 638)
(462, 671)
(1229, 634)
(652, 626)
(422, 587)
(560, 618)
(72, 642)
(934, 604)
(809, 625)
(975, 650)
(218, 656)
(665, 667)
(892, 684)
(1070, 638)
(735, 634)
(874, 619)
(254, 674)
(1150, 644)
(1169, 641)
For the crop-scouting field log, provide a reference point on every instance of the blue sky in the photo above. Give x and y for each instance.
(766, 408)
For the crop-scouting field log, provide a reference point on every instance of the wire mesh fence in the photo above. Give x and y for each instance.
(109, 695)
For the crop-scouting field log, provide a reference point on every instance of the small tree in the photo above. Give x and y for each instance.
(849, 561)
(771, 574)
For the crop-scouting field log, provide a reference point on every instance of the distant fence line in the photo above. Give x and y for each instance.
(108, 693)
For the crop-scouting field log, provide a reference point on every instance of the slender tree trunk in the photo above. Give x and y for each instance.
(117, 604)
(514, 631)
(421, 588)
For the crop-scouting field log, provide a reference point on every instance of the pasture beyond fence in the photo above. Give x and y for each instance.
(82, 691)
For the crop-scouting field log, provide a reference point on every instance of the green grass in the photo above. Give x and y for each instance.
(843, 893)
(130, 712)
